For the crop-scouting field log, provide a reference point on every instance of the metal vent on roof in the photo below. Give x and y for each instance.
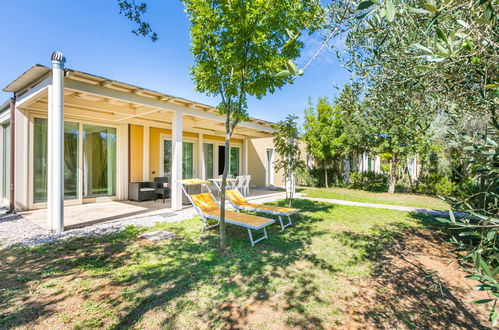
(58, 56)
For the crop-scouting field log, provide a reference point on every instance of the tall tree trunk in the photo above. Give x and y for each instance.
(393, 177)
(223, 239)
(325, 174)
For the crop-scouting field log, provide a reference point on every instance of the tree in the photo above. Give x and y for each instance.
(286, 138)
(238, 46)
(323, 133)
(356, 135)
(446, 53)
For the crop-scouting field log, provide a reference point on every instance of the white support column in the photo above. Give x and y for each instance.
(145, 175)
(201, 171)
(176, 198)
(245, 156)
(56, 116)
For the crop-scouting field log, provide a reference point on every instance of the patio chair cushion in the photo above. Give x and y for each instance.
(240, 202)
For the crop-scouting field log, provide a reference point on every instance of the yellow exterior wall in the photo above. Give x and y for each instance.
(154, 150)
(221, 138)
(136, 153)
(256, 162)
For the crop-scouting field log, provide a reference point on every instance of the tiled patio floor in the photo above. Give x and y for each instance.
(90, 214)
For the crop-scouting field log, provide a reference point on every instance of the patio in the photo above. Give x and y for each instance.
(78, 216)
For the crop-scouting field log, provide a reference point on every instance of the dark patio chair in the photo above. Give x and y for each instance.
(162, 187)
(141, 191)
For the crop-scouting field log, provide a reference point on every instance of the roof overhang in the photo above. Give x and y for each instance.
(29, 77)
(125, 103)
(37, 73)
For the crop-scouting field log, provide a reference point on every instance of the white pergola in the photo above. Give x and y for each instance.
(60, 91)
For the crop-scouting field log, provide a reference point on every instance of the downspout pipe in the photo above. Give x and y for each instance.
(12, 204)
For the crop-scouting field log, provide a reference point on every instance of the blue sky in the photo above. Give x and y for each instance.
(97, 40)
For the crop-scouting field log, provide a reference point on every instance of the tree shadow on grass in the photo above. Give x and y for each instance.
(242, 272)
(187, 276)
(191, 261)
(411, 285)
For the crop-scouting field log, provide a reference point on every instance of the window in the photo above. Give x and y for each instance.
(234, 161)
(187, 159)
(208, 160)
(167, 158)
(99, 160)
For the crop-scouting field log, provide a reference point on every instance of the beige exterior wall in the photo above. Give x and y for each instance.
(257, 162)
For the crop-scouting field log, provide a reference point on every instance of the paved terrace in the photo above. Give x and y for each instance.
(78, 216)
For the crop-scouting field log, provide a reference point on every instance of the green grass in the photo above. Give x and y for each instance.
(420, 201)
(300, 277)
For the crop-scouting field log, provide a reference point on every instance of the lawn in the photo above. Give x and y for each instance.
(337, 266)
(412, 200)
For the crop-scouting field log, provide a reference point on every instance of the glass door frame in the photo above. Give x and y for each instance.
(80, 200)
(269, 171)
(217, 144)
(195, 160)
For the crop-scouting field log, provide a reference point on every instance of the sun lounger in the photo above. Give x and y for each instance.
(240, 203)
(208, 208)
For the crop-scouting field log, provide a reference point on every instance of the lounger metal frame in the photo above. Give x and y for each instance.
(279, 214)
(205, 218)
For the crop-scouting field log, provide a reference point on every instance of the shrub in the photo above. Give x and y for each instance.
(304, 177)
(445, 187)
(436, 184)
(369, 181)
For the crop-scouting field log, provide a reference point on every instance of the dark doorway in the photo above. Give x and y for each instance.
(221, 159)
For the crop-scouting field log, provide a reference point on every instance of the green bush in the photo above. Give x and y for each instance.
(445, 187)
(304, 177)
(369, 181)
(436, 184)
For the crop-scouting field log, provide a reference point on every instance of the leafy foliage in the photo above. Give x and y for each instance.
(237, 51)
(369, 181)
(438, 60)
(286, 136)
(134, 12)
(323, 132)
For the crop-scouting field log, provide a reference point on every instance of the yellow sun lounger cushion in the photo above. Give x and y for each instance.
(209, 207)
(240, 202)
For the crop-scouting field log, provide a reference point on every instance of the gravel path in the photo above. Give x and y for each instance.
(15, 231)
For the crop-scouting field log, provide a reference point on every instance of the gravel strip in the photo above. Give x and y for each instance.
(17, 232)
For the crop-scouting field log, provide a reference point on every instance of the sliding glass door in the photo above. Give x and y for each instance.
(98, 159)
(71, 154)
(208, 160)
(187, 159)
(40, 159)
(234, 160)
